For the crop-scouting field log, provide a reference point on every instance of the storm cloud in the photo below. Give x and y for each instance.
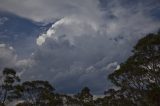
(87, 42)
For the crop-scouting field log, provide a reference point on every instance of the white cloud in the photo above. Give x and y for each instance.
(72, 26)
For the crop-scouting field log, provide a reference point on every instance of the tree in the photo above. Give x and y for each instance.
(8, 83)
(39, 93)
(139, 77)
(85, 97)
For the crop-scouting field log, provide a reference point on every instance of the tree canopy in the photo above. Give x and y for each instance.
(138, 78)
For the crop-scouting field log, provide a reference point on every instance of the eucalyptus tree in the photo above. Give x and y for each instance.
(38, 93)
(85, 98)
(9, 81)
(138, 79)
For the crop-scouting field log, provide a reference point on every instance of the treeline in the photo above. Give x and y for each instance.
(137, 83)
(38, 93)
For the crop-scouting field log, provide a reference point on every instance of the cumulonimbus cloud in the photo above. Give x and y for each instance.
(78, 49)
(86, 43)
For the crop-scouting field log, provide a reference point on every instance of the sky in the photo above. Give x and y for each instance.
(88, 39)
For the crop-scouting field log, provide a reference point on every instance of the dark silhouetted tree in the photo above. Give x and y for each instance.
(8, 82)
(38, 93)
(139, 77)
(85, 97)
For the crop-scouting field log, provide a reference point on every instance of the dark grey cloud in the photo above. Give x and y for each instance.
(87, 43)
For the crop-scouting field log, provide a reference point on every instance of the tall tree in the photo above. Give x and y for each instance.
(139, 77)
(7, 86)
(85, 97)
(39, 93)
